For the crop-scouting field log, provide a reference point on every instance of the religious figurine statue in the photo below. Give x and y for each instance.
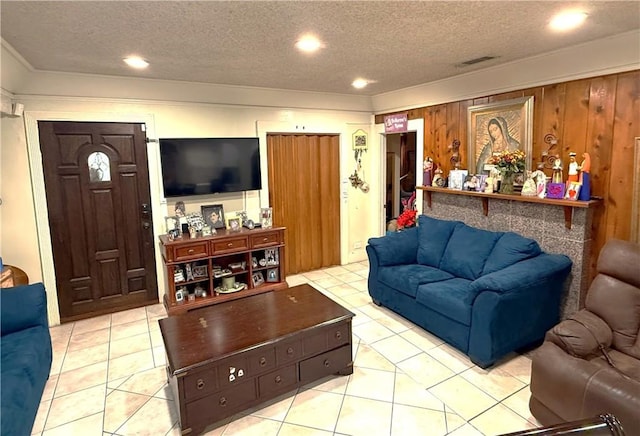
(585, 178)
(494, 175)
(529, 186)
(455, 157)
(488, 185)
(557, 171)
(572, 174)
(427, 167)
(438, 179)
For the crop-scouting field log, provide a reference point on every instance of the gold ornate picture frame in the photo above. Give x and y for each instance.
(499, 126)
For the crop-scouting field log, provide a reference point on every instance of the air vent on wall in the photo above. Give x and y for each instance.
(476, 61)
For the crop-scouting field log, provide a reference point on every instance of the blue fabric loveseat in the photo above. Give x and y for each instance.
(486, 293)
(25, 348)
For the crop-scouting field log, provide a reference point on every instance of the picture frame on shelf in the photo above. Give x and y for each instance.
(199, 271)
(272, 256)
(272, 275)
(234, 224)
(214, 215)
(171, 223)
(573, 190)
(257, 279)
(266, 217)
(508, 123)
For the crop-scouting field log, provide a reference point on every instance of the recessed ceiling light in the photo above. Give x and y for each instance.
(360, 83)
(308, 44)
(567, 20)
(136, 62)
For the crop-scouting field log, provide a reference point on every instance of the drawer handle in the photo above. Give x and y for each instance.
(230, 244)
(223, 401)
(327, 364)
(263, 361)
(191, 251)
(265, 239)
(200, 384)
(338, 335)
(290, 351)
(278, 379)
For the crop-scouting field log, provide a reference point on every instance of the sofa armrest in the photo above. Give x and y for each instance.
(581, 335)
(514, 307)
(22, 307)
(523, 274)
(398, 248)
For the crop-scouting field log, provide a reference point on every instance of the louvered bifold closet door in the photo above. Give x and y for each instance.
(304, 192)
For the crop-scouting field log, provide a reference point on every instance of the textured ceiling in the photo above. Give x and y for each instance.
(396, 43)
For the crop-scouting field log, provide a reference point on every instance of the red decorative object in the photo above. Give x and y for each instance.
(407, 219)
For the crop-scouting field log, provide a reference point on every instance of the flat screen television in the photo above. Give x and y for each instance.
(199, 166)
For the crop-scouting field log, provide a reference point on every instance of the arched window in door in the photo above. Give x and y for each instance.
(99, 167)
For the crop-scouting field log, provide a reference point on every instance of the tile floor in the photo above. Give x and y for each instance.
(108, 378)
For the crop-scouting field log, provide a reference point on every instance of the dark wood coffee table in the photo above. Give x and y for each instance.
(228, 357)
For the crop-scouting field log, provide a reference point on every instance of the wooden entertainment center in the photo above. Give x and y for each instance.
(254, 258)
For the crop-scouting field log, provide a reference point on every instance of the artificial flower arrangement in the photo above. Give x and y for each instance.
(407, 218)
(508, 161)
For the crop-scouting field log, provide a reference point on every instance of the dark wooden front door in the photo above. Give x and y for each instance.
(304, 191)
(97, 188)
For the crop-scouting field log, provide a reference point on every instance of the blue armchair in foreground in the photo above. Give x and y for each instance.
(25, 348)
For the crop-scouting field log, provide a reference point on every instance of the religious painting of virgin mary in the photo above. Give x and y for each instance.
(499, 127)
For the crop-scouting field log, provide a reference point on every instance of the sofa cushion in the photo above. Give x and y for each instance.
(450, 298)
(26, 350)
(407, 278)
(509, 249)
(467, 251)
(433, 237)
(396, 248)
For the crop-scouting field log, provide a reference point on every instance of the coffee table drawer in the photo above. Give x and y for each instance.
(233, 371)
(288, 352)
(327, 363)
(278, 380)
(262, 361)
(200, 383)
(222, 404)
(327, 338)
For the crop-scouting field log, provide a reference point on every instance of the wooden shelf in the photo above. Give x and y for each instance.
(223, 248)
(568, 205)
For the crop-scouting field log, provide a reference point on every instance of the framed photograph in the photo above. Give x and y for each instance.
(172, 223)
(271, 256)
(234, 224)
(257, 279)
(266, 217)
(213, 215)
(497, 127)
(199, 271)
(272, 275)
(573, 190)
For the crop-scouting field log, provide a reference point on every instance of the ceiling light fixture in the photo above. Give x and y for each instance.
(567, 20)
(359, 83)
(136, 62)
(308, 44)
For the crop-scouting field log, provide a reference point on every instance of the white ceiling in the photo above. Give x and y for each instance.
(397, 43)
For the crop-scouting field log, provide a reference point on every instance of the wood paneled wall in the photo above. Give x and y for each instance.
(598, 115)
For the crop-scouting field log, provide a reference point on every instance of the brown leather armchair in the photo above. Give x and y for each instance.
(589, 364)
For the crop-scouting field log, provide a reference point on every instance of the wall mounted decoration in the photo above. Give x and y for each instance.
(499, 126)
